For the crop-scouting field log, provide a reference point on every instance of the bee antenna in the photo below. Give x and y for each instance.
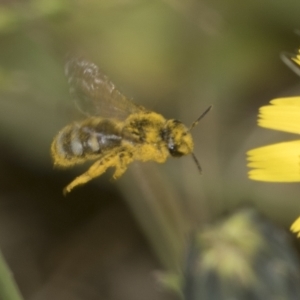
(197, 162)
(197, 121)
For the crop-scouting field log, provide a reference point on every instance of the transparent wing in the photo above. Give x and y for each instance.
(94, 94)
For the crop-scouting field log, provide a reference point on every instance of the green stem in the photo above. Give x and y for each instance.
(8, 287)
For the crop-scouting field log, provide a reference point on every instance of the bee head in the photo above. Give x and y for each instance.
(178, 138)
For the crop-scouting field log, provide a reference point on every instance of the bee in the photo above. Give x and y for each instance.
(116, 131)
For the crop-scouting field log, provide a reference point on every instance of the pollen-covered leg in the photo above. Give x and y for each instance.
(124, 159)
(97, 169)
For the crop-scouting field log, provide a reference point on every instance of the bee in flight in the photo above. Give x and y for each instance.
(116, 131)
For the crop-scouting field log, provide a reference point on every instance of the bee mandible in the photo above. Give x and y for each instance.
(116, 131)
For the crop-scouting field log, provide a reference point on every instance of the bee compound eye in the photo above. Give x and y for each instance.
(173, 149)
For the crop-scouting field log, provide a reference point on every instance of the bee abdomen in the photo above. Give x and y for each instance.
(80, 141)
(67, 147)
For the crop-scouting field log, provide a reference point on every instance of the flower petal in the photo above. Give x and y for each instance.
(283, 114)
(276, 163)
(296, 59)
(295, 227)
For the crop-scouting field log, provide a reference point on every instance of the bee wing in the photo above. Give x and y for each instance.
(94, 93)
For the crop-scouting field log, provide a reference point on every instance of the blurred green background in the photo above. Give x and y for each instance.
(174, 57)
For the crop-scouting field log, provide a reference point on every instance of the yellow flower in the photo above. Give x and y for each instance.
(278, 162)
(296, 227)
(297, 58)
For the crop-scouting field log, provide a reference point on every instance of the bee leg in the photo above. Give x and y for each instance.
(125, 158)
(96, 169)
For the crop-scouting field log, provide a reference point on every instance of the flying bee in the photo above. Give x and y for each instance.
(116, 131)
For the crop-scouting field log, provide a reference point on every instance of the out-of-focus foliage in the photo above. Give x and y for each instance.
(8, 287)
(174, 57)
(243, 257)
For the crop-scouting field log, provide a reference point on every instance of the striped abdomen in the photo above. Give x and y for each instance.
(84, 140)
